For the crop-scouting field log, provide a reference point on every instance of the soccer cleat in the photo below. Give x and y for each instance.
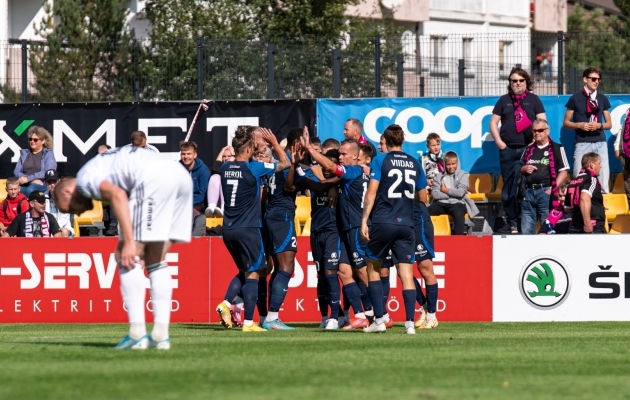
(133, 344)
(276, 324)
(410, 330)
(390, 322)
(429, 323)
(163, 345)
(225, 315)
(253, 328)
(357, 323)
(375, 328)
(237, 315)
(421, 318)
(332, 325)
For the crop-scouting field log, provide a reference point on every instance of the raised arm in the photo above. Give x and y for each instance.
(283, 161)
(321, 159)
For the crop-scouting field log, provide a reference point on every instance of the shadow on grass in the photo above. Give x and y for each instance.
(82, 344)
(219, 327)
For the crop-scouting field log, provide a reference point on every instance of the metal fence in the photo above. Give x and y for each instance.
(408, 65)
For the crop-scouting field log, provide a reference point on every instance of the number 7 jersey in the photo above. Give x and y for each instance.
(400, 177)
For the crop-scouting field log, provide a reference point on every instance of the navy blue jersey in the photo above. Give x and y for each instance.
(399, 176)
(323, 217)
(240, 182)
(280, 203)
(352, 190)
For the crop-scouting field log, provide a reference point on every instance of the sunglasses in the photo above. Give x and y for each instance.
(517, 80)
(33, 139)
(593, 79)
(539, 130)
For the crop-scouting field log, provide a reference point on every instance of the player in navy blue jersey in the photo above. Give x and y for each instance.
(279, 230)
(387, 223)
(352, 187)
(240, 182)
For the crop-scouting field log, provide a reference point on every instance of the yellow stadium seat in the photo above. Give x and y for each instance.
(93, 217)
(479, 186)
(212, 222)
(75, 226)
(616, 204)
(302, 208)
(3, 189)
(618, 187)
(621, 225)
(441, 225)
(496, 194)
(306, 230)
(298, 226)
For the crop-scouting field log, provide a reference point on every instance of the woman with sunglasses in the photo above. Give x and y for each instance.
(588, 114)
(35, 161)
(515, 110)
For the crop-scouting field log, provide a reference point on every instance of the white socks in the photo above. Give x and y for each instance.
(133, 292)
(272, 315)
(161, 294)
(431, 315)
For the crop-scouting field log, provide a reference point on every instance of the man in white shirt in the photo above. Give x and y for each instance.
(63, 219)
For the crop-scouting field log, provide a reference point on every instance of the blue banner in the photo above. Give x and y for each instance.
(462, 122)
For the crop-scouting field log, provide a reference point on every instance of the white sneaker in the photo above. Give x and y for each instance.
(218, 213)
(332, 324)
(409, 328)
(375, 328)
(163, 345)
(209, 212)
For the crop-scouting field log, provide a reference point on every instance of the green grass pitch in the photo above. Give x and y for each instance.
(454, 361)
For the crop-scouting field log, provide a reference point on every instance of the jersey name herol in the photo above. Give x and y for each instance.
(124, 167)
(400, 177)
(280, 203)
(240, 182)
(352, 190)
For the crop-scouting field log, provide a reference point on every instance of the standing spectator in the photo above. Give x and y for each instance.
(139, 139)
(35, 222)
(353, 129)
(433, 162)
(64, 220)
(545, 167)
(35, 161)
(14, 204)
(199, 173)
(622, 152)
(584, 197)
(587, 113)
(516, 111)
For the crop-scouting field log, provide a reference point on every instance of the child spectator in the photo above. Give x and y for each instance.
(448, 194)
(15, 203)
(433, 162)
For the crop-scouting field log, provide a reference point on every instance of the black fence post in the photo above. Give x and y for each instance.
(461, 68)
(560, 62)
(24, 71)
(271, 84)
(336, 74)
(399, 74)
(136, 91)
(573, 85)
(377, 65)
(199, 68)
(422, 86)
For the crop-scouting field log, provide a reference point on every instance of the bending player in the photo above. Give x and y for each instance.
(151, 198)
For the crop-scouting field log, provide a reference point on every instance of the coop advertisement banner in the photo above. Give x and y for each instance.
(561, 278)
(78, 129)
(462, 122)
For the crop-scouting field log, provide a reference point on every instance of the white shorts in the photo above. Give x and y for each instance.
(161, 204)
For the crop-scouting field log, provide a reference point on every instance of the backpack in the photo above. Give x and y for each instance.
(5, 207)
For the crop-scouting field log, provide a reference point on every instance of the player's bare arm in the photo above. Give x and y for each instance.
(321, 159)
(368, 204)
(421, 196)
(283, 161)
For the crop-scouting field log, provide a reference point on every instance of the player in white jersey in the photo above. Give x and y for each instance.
(152, 197)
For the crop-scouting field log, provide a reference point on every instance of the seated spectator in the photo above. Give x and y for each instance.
(111, 223)
(14, 204)
(63, 219)
(215, 193)
(448, 194)
(559, 219)
(139, 139)
(584, 197)
(36, 222)
(199, 173)
(433, 162)
(35, 161)
(199, 224)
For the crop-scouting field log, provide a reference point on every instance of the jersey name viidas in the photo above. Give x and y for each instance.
(323, 217)
(240, 182)
(280, 203)
(352, 190)
(125, 167)
(400, 177)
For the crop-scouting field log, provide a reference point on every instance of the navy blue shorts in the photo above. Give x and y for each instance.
(246, 248)
(326, 247)
(280, 236)
(352, 248)
(400, 239)
(388, 262)
(424, 239)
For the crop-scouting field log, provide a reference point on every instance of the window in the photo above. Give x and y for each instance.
(504, 53)
(438, 44)
(467, 49)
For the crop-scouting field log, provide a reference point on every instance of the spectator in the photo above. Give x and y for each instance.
(622, 152)
(449, 194)
(559, 219)
(433, 162)
(35, 222)
(587, 113)
(199, 173)
(516, 111)
(139, 139)
(199, 224)
(353, 130)
(14, 204)
(584, 197)
(64, 220)
(215, 193)
(111, 228)
(104, 148)
(545, 167)
(35, 161)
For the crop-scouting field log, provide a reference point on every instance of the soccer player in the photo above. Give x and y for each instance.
(240, 182)
(395, 182)
(151, 197)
